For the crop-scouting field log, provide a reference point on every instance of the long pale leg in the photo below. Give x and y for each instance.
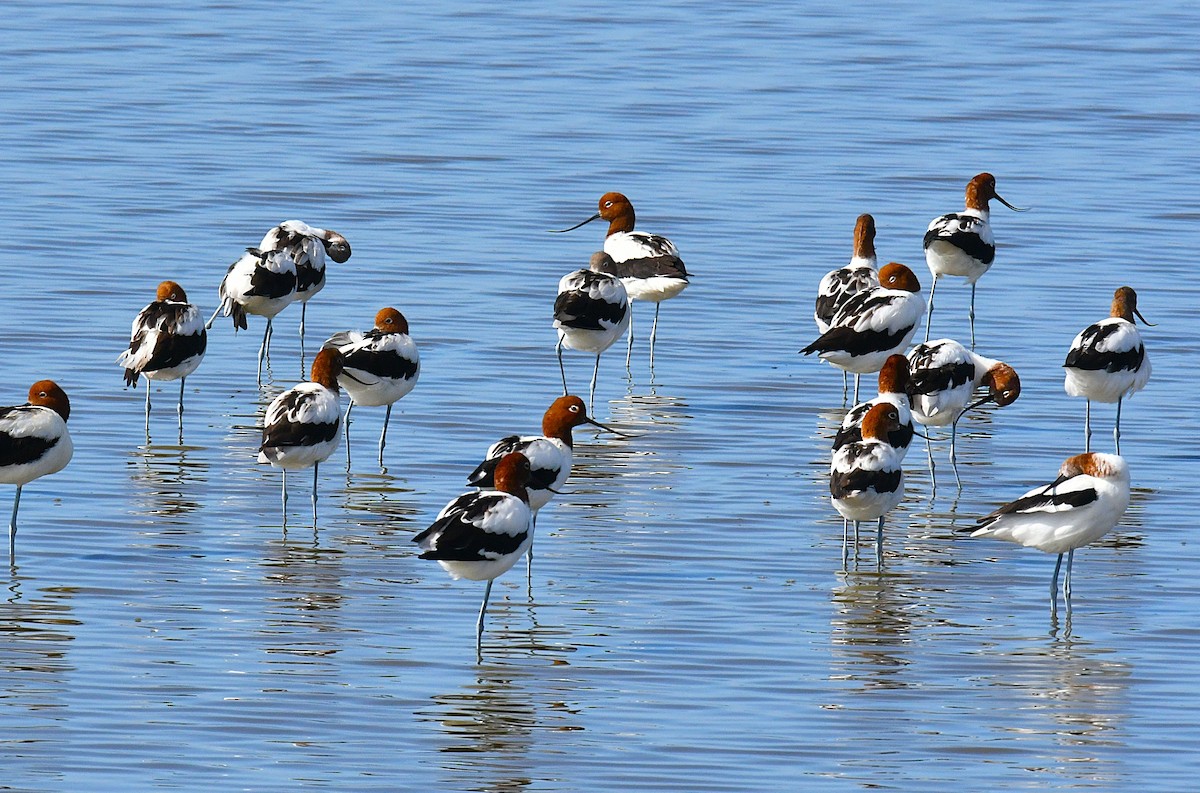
(264, 350)
(182, 380)
(147, 410)
(284, 499)
(529, 561)
(561, 370)
(1054, 584)
(971, 316)
(346, 419)
(929, 312)
(953, 457)
(208, 325)
(1117, 428)
(383, 435)
(487, 592)
(592, 393)
(629, 349)
(1067, 579)
(845, 542)
(316, 467)
(303, 309)
(654, 334)
(1087, 427)
(879, 543)
(857, 380)
(932, 475)
(856, 525)
(12, 526)
(845, 386)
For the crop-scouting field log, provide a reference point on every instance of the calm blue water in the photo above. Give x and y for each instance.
(689, 626)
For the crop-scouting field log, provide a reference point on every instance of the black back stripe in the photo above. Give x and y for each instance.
(24, 449)
(843, 484)
(1051, 497)
(1088, 357)
(941, 378)
(577, 310)
(857, 343)
(267, 283)
(382, 363)
(173, 350)
(650, 267)
(966, 241)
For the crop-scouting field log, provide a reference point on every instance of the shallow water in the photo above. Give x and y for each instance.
(689, 625)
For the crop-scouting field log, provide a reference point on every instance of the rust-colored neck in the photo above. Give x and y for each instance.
(980, 190)
(864, 237)
(512, 474)
(326, 367)
(618, 211)
(1124, 303)
(893, 377)
(389, 320)
(879, 421)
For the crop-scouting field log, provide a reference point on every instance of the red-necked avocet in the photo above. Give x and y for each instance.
(1107, 361)
(590, 313)
(874, 324)
(961, 243)
(549, 454)
(300, 429)
(943, 375)
(167, 343)
(261, 283)
(866, 480)
(648, 264)
(378, 367)
(306, 246)
(838, 286)
(480, 535)
(893, 390)
(1079, 507)
(34, 442)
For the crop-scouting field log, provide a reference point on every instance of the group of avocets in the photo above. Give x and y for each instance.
(478, 535)
(867, 319)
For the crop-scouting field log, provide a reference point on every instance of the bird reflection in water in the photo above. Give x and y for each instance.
(872, 629)
(169, 483)
(490, 726)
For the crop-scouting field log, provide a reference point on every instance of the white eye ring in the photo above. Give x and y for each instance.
(574, 408)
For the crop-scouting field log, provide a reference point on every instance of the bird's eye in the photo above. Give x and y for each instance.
(607, 204)
(574, 408)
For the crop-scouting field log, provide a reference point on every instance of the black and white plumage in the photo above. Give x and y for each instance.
(262, 283)
(590, 313)
(34, 442)
(873, 324)
(943, 376)
(306, 246)
(300, 428)
(379, 367)
(481, 535)
(893, 390)
(961, 243)
(1108, 361)
(866, 480)
(648, 264)
(838, 286)
(167, 343)
(1079, 507)
(550, 454)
